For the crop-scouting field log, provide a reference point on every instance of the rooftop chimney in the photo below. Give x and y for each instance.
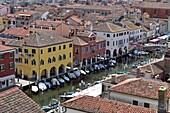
(3, 42)
(75, 30)
(162, 100)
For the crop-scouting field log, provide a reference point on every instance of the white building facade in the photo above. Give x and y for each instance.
(117, 38)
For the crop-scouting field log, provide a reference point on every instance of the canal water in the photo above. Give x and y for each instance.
(43, 98)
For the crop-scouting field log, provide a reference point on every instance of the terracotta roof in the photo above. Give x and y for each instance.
(76, 19)
(84, 34)
(108, 27)
(152, 68)
(41, 39)
(157, 5)
(130, 25)
(146, 88)
(5, 48)
(120, 78)
(17, 32)
(14, 100)
(78, 41)
(26, 12)
(15, 43)
(48, 23)
(99, 105)
(89, 7)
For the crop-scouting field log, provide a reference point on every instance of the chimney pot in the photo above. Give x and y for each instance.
(3, 42)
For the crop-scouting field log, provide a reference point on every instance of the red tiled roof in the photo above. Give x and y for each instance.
(14, 100)
(78, 41)
(47, 23)
(99, 105)
(5, 48)
(26, 12)
(146, 88)
(17, 32)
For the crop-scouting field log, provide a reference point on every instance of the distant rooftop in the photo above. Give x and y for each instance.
(98, 105)
(13, 100)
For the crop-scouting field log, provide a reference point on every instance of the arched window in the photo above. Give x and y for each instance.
(64, 56)
(54, 59)
(49, 60)
(33, 62)
(60, 57)
(42, 62)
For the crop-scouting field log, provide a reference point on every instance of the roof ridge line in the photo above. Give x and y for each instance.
(109, 26)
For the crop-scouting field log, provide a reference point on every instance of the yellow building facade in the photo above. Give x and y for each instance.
(44, 56)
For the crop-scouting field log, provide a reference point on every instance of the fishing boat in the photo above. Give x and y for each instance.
(87, 70)
(55, 82)
(60, 80)
(83, 72)
(77, 72)
(101, 66)
(48, 84)
(91, 69)
(66, 78)
(46, 108)
(96, 67)
(72, 75)
(34, 89)
(42, 86)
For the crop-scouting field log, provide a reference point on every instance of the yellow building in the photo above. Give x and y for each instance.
(43, 55)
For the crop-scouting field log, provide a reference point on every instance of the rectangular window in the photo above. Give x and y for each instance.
(104, 44)
(11, 66)
(53, 28)
(54, 48)
(113, 43)
(116, 42)
(20, 60)
(70, 55)
(26, 61)
(166, 12)
(2, 67)
(49, 49)
(70, 45)
(64, 46)
(101, 46)
(147, 105)
(120, 42)
(155, 11)
(107, 43)
(1, 56)
(41, 51)
(25, 50)
(108, 35)
(59, 47)
(83, 51)
(33, 51)
(76, 51)
(113, 35)
(19, 50)
(11, 55)
(135, 102)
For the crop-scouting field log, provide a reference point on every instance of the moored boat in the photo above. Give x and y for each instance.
(66, 78)
(77, 72)
(42, 86)
(34, 89)
(72, 75)
(83, 72)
